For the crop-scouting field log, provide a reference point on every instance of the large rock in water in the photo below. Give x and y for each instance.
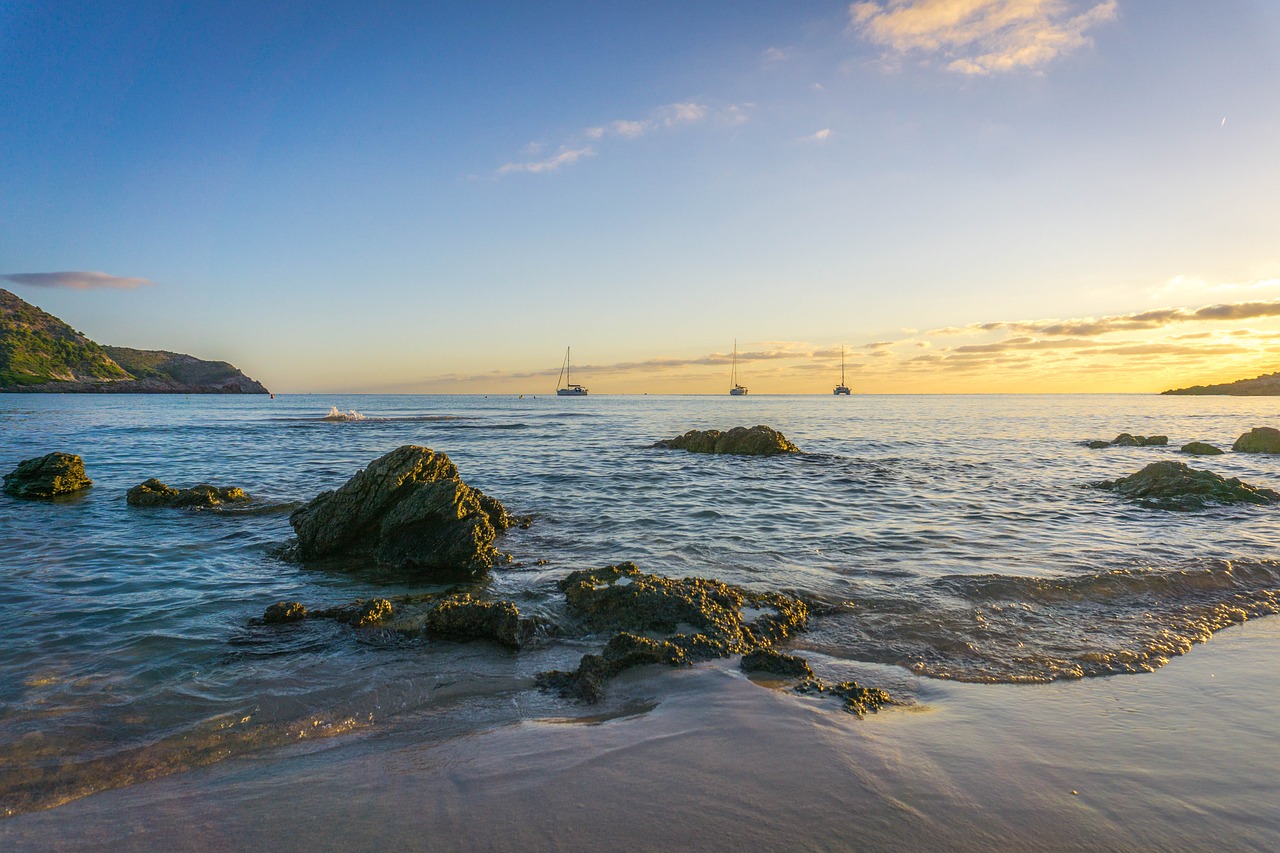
(1174, 485)
(155, 493)
(757, 441)
(1258, 440)
(408, 509)
(47, 476)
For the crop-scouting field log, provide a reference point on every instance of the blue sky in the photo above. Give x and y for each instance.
(387, 197)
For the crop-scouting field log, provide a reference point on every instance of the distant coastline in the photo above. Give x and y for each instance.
(40, 354)
(1267, 385)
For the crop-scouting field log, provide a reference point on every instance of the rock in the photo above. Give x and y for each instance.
(756, 441)
(1258, 440)
(284, 611)
(408, 509)
(857, 699)
(462, 617)
(701, 619)
(776, 663)
(362, 613)
(1199, 448)
(1174, 486)
(47, 476)
(1126, 440)
(1097, 444)
(155, 493)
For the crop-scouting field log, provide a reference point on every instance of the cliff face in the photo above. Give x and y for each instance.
(1259, 386)
(40, 353)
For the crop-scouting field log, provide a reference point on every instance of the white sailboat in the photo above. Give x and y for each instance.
(735, 390)
(568, 389)
(841, 388)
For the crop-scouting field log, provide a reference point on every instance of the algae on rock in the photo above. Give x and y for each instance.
(155, 493)
(47, 476)
(1258, 440)
(408, 509)
(759, 440)
(1175, 486)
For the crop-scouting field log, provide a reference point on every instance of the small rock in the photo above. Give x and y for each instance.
(1174, 486)
(1097, 444)
(155, 493)
(776, 663)
(47, 476)
(361, 614)
(756, 441)
(284, 611)
(1200, 448)
(857, 699)
(1258, 440)
(462, 617)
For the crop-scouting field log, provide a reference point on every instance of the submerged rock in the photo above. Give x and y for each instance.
(47, 476)
(756, 441)
(776, 663)
(155, 493)
(1258, 440)
(462, 617)
(1125, 439)
(699, 619)
(857, 699)
(408, 509)
(1175, 486)
(361, 614)
(1200, 448)
(283, 612)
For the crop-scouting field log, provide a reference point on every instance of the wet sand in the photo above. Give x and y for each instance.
(1185, 758)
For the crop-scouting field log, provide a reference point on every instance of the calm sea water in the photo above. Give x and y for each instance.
(951, 536)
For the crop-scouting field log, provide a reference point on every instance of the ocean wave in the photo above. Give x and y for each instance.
(1002, 628)
(336, 414)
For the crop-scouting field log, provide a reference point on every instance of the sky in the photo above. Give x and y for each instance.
(969, 196)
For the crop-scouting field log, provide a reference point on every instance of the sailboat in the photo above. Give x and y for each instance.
(569, 389)
(841, 388)
(735, 390)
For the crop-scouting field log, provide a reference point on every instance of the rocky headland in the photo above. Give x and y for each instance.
(41, 354)
(1267, 385)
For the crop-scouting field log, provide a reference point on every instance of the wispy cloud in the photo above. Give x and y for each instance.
(563, 157)
(821, 136)
(1139, 321)
(76, 280)
(665, 117)
(979, 37)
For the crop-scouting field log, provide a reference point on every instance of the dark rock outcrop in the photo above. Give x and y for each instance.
(1125, 439)
(741, 441)
(776, 663)
(283, 612)
(1174, 486)
(1258, 440)
(47, 476)
(361, 614)
(699, 618)
(409, 509)
(857, 699)
(155, 493)
(463, 617)
(1200, 448)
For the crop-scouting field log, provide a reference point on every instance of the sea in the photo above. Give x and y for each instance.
(953, 548)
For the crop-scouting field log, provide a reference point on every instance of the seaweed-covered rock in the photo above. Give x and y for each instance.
(155, 493)
(283, 612)
(1125, 439)
(47, 476)
(776, 663)
(1200, 448)
(755, 441)
(623, 651)
(408, 509)
(1175, 486)
(362, 613)
(857, 699)
(700, 618)
(463, 617)
(1258, 440)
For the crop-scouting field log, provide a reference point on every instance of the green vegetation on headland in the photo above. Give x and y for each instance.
(1267, 385)
(40, 353)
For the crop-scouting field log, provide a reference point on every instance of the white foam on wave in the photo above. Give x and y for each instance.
(335, 414)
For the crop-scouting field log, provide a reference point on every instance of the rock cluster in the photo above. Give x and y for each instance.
(1175, 486)
(47, 476)
(409, 509)
(1125, 439)
(857, 699)
(699, 618)
(741, 441)
(1258, 440)
(155, 493)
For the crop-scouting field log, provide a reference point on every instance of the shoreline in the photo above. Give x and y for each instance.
(705, 759)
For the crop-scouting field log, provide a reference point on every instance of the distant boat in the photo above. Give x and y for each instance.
(841, 388)
(735, 390)
(569, 389)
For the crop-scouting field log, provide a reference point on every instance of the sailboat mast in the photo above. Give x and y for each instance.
(842, 365)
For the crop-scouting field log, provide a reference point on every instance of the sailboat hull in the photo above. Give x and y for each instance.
(738, 392)
(840, 389)
(571, 391)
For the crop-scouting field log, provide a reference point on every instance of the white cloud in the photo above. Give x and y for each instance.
(565, 157)
(979, 37)
(75, 280)
(821, 136)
